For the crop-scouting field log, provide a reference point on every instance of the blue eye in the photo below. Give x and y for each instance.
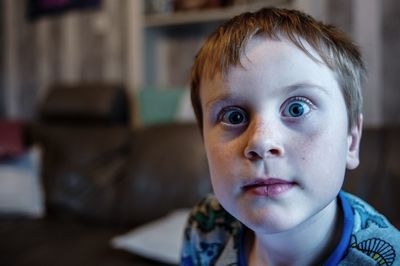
(234, 116)
(297, 107)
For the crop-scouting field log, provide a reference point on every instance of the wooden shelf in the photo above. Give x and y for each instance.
(207, 15)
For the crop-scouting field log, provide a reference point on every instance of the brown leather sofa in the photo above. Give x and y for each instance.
(102, 178)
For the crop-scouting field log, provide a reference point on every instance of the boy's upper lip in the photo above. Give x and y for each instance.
(268, 181)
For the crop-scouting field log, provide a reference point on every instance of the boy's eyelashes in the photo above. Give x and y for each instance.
(297, 107)
(293, 108)
(233, 115)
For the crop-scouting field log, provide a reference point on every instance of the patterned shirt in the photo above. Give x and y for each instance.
(214, 237)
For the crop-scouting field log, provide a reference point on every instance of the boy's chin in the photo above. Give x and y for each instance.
(276, 221)
(272, 227)
(266, 223)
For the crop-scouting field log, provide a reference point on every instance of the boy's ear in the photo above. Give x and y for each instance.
(353, 141)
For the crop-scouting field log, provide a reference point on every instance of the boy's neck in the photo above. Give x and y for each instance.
(307, 244)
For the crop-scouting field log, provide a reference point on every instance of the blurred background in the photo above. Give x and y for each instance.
(100, 156)
(144, 44)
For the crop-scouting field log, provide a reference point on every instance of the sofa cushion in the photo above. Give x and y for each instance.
(81, 166)
(167, 170)
(11, 138)
(21, 191)
(159, 240)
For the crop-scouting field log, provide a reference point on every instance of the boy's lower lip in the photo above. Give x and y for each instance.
(269, 190)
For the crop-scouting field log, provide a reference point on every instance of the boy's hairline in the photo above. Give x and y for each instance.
(300, 43)
(341, 63)
(223, 72)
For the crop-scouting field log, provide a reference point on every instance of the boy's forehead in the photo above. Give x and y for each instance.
(265, 50)
(277, 57)
(218, 70)
(258, 40)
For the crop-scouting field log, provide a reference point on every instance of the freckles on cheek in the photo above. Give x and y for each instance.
(219, 154)
(220, 158)
(308, 149)
(218, 167)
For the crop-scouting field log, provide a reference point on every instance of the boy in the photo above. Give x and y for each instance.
(277, 96)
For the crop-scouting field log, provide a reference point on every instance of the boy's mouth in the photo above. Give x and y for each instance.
(270, 187)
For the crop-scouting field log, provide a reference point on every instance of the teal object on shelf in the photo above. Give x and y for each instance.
(158, 106)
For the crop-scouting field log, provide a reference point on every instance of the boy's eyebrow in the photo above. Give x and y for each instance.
(286, 90)
(219, 98)
(305, 85)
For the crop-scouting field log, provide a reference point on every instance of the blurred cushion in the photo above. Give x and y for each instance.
(81, 166)
(21, 191)
(160, 240)
(167, 164)
(11, 139)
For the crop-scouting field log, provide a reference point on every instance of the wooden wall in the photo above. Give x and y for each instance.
(391, 61)
(77, 46)
(105, 45)
(2, 40)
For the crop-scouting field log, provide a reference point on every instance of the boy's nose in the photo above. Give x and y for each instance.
(263, 142)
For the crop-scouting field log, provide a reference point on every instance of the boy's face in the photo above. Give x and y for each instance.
(276, 136)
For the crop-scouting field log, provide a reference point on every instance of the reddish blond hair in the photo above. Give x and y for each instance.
(224, 47)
